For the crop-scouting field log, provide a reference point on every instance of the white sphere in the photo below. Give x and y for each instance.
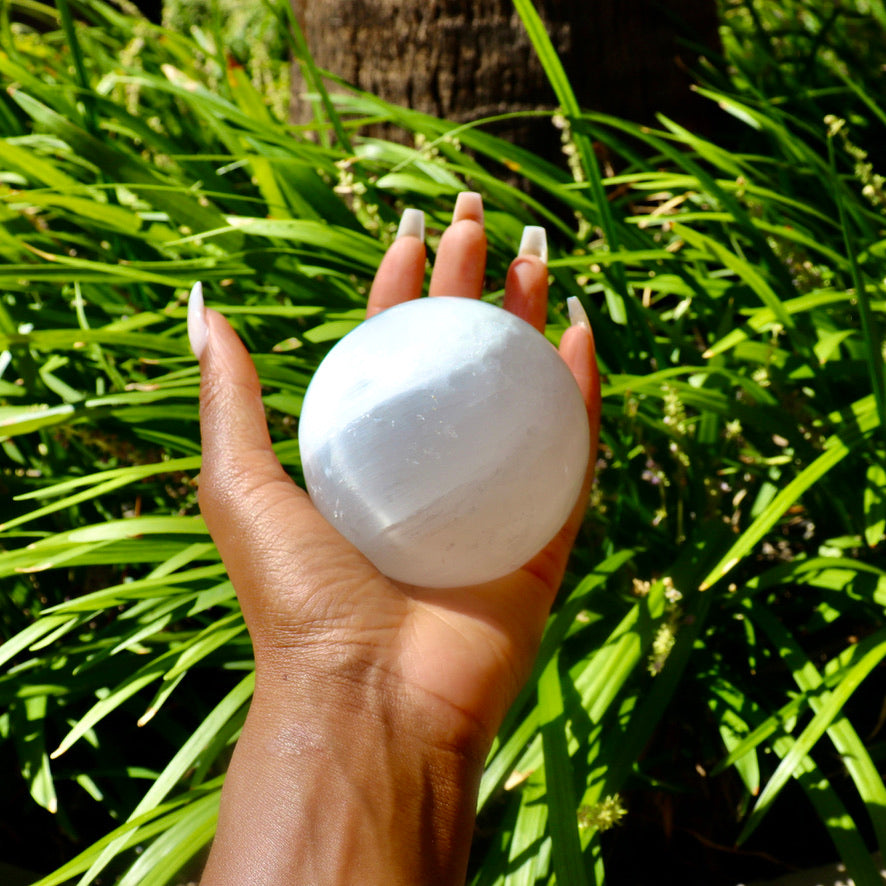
(446, 439)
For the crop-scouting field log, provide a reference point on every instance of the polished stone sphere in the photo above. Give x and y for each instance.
(446, 439)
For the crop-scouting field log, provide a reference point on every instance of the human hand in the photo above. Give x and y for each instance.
(356, 672)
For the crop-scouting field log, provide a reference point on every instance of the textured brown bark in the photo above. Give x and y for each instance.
(464, 59)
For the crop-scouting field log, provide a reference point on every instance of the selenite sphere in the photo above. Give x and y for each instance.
(446, 439)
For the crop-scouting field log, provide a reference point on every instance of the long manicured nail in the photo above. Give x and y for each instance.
(198, 330)
(577, 314)
(534, 242)
(412, 224)
(468, 205)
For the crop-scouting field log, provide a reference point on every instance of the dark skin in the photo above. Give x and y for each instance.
(375, 702)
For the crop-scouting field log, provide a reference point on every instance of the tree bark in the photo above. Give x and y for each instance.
(466, 59)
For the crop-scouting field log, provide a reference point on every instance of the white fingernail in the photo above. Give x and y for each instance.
(198, 330)
(534, 242)
(577, 314)
(412, 224)
(468, 204)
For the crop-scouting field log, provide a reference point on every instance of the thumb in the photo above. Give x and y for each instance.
(246, 497)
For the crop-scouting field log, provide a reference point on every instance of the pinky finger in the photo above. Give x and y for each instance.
(578, 351)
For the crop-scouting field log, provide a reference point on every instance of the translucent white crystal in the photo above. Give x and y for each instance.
(446, 439)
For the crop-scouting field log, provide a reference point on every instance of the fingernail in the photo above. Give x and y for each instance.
(468, 204)
(412, 224)
(534, 242)
(198, 331)
(577, 315)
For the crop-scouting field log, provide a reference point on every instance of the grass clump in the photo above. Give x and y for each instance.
(715, 645)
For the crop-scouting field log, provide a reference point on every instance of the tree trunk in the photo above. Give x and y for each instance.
(466, 59)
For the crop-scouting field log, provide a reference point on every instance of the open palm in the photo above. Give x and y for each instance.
(315, 607)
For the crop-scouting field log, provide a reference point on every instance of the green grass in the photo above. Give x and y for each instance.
(717, 640)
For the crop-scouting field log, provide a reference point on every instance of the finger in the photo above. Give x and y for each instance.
(526, 286)
(245, 495)
(235, 435)
(401, 274)
(460, 266)
(579, 353)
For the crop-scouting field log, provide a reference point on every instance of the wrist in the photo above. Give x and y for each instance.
(332, 688)
(344, 783)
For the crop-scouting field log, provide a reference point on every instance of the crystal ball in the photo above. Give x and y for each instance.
(446, 439)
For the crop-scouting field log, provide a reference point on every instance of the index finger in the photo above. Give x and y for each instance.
(401, 274)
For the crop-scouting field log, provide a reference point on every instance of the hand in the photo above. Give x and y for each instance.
(375, 702)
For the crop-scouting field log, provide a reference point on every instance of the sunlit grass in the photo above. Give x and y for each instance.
(737, 526)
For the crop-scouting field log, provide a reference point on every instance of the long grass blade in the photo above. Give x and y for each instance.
(566, 852)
